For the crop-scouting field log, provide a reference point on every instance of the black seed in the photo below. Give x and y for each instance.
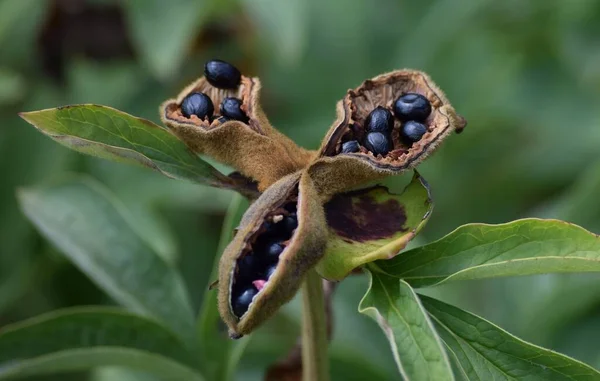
(273, 251)
(412, 131)
(290, 223)
(379, 120)
(268, 226)
(222, 74)
(198, 104)
(377, 143)
(231, 108)
(350, 146)
(412, 106)
(270, 271)
(241, 302)
(290, 207)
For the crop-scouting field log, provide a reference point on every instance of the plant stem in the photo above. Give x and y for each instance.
(315, 361)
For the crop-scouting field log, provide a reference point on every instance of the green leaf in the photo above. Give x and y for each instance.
(220, 353)
(164, 34)
(80, 338)
(82, 220)
(417, 349)
(371, 224)
(111, 134)
(483, 351)
(477, 251)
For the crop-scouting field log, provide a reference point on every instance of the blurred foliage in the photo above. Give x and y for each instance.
(526, 75)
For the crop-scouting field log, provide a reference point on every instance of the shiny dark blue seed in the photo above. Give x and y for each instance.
(377, 143)
(270, 271)
(198, 104)
(246, 266)
(222, 74)
(350, 146)
(241, 302)
(290, 223)
(380, 120)
(412, 131)
(273, 251)
(232, 108)
(223, 119)
(412, 106)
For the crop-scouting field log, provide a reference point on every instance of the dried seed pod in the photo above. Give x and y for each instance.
(251, 145)
(337, 170)
(281, 253)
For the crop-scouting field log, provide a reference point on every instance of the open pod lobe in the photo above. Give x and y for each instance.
(362, 147)
(282, 235)
(250, 144)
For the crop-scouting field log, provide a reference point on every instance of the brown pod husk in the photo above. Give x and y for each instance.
(255, 148)
(335, 172)
(302, 250)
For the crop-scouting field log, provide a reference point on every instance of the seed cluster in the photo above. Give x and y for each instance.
(378, 137)
(258, 263)
(221, 75)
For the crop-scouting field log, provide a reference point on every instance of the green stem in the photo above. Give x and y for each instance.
(315, 361)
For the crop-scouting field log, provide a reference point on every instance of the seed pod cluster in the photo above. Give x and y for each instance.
(281, 236)
(385, 126)
(219, 115)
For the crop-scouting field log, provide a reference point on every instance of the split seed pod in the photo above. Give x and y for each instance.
(264, 265)
(335, 172)
(251, 146)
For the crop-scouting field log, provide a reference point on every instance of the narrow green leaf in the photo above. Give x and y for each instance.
(371, 224)
(80, 338)
(164, 34)
(220, 353)
(81, 219)
(483, 351)
(477, 251)
(417, 349)
(112, 134)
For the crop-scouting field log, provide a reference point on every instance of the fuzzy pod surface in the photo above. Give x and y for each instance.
(301, 252)
(256, 149)
(335, 171)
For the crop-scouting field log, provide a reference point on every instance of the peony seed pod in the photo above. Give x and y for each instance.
(281, 236)
(249, 144)
(406, 93)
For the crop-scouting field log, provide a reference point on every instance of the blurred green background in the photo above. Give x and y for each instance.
(525, 74)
